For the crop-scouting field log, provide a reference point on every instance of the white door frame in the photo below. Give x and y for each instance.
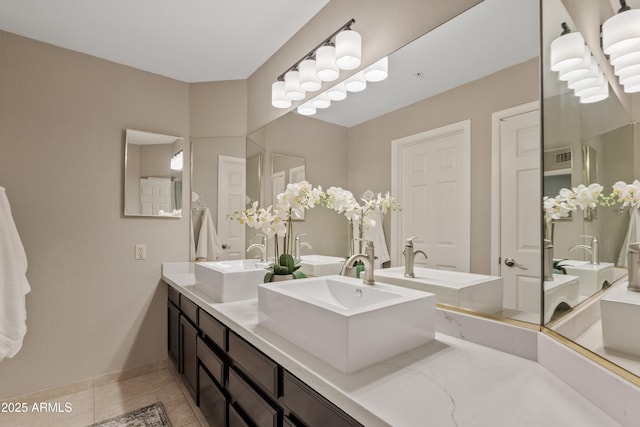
(396, 179)
(496, 170)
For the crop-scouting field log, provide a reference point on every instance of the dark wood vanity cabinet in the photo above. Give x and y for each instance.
(173, 333)
(189, 365)
(234, 383)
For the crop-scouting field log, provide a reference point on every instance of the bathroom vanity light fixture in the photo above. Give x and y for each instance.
(341, 50)
(575, 64)
(621, 41)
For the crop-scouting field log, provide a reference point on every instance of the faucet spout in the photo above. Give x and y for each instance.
(263, 248)
(367, 259)
(593, 250)
(409, 257)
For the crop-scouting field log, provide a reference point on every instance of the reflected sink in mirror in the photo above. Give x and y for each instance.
(592, 276)
(231, 280)
(476, 292)
(345, 323)
(560, 294)
(321, 265)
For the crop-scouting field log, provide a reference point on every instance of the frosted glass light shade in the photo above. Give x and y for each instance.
(567, 51)
(309, 80)
(348, 50)
(580, 70)
(337, 93)
(585, 89)
(356, 83)
(595, 94)
(588, 79)
(377, 71)
(292, 86)
(629, 72)
(278, 97)
(326, 67)
(306, 109)
(321, 101)
(621, 32)
(621, 60)
(632, 85)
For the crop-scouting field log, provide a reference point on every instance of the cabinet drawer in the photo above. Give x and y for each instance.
(235, 420)
(189, 309)
(256, 365)
(252, 404)
(173, 295)
(210, 361)
(213, 329)
(212, 401)
(310, 407)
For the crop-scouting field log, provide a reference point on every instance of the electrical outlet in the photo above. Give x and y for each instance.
(141, 251)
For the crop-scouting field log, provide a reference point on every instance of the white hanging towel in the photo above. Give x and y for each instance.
(633, 235)
(13, 283)
(209, 246)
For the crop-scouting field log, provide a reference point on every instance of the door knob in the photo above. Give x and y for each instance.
(510, 262)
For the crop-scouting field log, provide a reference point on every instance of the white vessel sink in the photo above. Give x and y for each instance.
(620, 316)
(476, 292)
(591, 276)
(231, 280)
(321, 265)
(345, 323)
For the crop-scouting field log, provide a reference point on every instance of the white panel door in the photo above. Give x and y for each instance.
(155, 195)
(520, 212)
(430, 177)
(231, 198)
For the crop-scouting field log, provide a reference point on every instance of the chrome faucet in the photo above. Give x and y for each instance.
(298, 245)
(262, 246)
(367, 259)
(594, 249)
(409, 255)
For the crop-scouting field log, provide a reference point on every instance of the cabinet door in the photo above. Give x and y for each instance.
(212, 402)
(173, 333)
(310, 407)
(188, 337)
(254, 406)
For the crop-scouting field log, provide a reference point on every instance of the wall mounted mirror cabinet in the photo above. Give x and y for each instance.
(153, 166)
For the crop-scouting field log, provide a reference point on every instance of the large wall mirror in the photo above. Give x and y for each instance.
(602, 140)
(349, 144)
(153, 166)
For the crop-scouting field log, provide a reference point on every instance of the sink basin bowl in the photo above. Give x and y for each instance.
(320, 265)
(231, 280)
(591, 276)
(345, 323)
(476, 292)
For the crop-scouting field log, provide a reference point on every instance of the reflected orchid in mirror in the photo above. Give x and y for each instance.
(627, 194)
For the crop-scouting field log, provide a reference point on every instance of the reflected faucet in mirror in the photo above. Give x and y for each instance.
(409, 256)
(299, 245)
(593, 249)
(262, 246)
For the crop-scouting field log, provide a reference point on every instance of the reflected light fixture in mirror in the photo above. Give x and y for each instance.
(621, 40)
(572, 59)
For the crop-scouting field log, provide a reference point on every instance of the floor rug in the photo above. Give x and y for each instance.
(149, 416)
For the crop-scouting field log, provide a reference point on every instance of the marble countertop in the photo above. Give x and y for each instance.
(449, 382)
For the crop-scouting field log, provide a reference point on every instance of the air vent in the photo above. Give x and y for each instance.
(563, 157)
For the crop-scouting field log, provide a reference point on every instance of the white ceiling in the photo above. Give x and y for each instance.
(188, 40)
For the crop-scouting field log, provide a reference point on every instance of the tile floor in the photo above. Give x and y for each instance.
(105, 399)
